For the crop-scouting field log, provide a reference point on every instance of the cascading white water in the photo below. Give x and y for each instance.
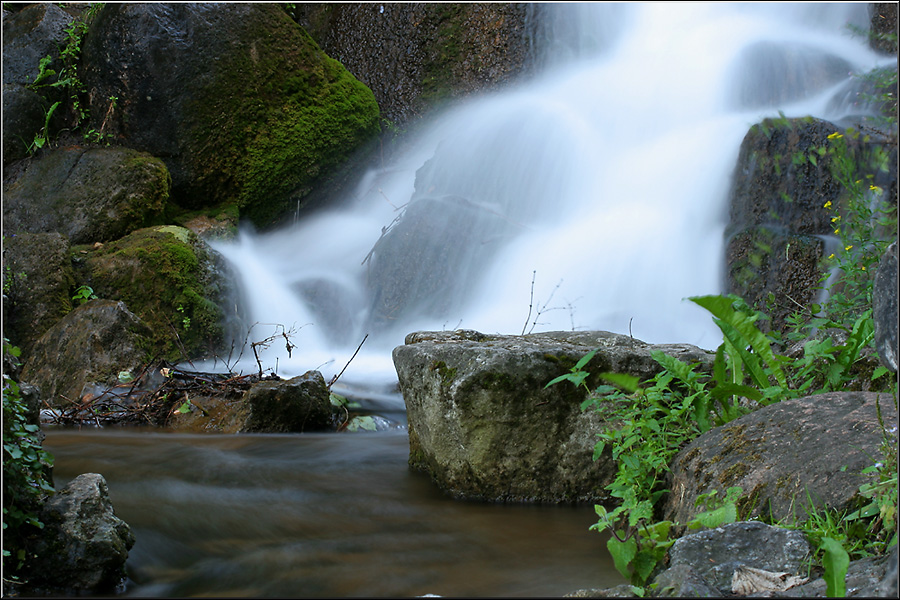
(594, 197)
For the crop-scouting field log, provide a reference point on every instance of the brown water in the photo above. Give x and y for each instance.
(320, 515)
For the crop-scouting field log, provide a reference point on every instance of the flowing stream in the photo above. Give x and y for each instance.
(593, 197)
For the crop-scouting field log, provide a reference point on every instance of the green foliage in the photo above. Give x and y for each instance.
(66, 79)
(835, 563)
(84, 294)
(649, 424)
(639, 547)
(24, 465)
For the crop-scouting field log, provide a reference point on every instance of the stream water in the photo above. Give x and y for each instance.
(613, 166)
(320, 515)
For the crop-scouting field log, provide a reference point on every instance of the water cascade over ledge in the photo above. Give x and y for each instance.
(593, 197)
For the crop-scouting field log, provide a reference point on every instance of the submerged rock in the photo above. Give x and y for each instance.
(484, 426)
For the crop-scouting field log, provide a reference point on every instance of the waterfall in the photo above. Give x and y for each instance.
(593, 197)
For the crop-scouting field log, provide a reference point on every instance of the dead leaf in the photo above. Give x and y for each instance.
(749, 580)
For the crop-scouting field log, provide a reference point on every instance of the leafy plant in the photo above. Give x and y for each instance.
(24, 471)
(835, 563)
(67, 79)
(84, 294)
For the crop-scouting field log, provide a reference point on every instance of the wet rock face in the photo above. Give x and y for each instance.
(413, 56)
(38, 285)
(813, 450)
(84, 546)
(29, 35)
(483, 425)
(884, 307)
(782, 203)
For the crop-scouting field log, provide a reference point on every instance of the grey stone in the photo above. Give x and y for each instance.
(88, 195)
(84, 546)
(784, 456)
(85, 351)
(716, 553)
(299, 404)
(484, 425)
(683, 581)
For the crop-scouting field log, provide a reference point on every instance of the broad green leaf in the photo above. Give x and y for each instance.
(714, 518)
(627, 382)
(584, 360)
(644, 562)
(738, 346)
(622, 553)
(726, 390)
(366, 423)
(835, 562)
(721, 307)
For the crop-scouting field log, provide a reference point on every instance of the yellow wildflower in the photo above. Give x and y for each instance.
(863, 267)
(836, 219)
(848, 247)
(835, 136)
(827, 204)
(837, 232)
(830, 256)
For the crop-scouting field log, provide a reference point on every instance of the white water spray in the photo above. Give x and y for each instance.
(596, 194)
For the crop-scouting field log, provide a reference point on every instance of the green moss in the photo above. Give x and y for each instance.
(733, 474)
(158, 274)
(447, 374)
(444, 55)
(276, 120)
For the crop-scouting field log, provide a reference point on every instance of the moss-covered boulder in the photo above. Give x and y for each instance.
(239, 101)
(86, 350)
(87, 194)
(483, 425)
(169, 278)
(38, 284)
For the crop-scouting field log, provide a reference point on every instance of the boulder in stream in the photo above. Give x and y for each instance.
(84, 545)
(483, 425)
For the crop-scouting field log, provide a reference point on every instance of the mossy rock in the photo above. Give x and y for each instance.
(87, 194)
(166, 276)
(259, 116)
(38, 283)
